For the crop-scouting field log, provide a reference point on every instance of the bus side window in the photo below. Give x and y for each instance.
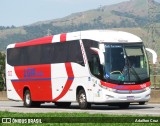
(95, 66)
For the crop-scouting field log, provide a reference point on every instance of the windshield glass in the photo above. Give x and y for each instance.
(125, 63)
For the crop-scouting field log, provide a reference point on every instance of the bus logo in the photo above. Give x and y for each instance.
(9, 73)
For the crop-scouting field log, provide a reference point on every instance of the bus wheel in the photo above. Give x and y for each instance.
(28, 101)
(82, 100)
(141, 103)
(63, 104)
(123, 105)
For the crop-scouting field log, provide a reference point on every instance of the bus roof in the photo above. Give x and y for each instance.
(102, 36)
(110, 36)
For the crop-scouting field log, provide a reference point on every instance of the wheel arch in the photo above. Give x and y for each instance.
(78, 89)
(82, 100)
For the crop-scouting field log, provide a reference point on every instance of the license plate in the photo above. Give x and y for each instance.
(130, 98)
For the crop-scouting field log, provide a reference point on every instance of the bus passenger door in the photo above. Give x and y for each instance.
(97, 70)
(60, 82)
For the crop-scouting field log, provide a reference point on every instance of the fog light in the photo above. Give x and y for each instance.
(111, 89)
(109, 96)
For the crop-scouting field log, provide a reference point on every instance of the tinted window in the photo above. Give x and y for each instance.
(87, 44)
(93, 59)
(45, 54)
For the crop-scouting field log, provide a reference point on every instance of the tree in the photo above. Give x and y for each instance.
(2, 71)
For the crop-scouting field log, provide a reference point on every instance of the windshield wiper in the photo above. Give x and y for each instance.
(130, 68)
(135, 74)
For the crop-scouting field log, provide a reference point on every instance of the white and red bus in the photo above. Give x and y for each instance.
(88, 67)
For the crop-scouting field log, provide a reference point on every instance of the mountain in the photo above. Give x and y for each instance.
(129, 13)
(129, 16)
(133, 11)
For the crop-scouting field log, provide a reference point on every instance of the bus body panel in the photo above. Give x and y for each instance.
(65, 79)
(10, 75)
(37, 78)
(103, 96)
(120, 93)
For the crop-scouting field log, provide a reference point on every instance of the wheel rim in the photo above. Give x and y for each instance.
(82, 99)
(28, 99)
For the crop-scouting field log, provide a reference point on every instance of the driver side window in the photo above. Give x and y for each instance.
(95, 66)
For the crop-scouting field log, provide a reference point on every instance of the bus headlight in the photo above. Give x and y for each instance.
(111, 89)
(147, 88)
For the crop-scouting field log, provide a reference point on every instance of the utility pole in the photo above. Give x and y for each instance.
(153, 29)
(49, 32)
(151, 25)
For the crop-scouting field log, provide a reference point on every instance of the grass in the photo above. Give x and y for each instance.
(79, 119)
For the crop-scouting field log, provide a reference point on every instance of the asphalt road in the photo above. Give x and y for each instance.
(134, 109)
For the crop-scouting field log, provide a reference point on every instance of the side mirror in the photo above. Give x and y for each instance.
(100, 54)
(154, 55)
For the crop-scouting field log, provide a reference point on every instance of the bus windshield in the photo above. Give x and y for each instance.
(126, 63)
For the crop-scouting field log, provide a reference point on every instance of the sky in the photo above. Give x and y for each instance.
(25, 12)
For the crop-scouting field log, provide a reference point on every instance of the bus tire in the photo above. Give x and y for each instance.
(63, 104)
(28, 100)
(82, 100)
(141, 103)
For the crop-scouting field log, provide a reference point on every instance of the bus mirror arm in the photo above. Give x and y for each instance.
(154, 55)
(100, 54)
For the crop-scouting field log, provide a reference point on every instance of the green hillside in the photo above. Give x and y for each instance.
(131, 16)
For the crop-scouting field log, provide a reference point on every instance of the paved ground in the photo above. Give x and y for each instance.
(134, 109)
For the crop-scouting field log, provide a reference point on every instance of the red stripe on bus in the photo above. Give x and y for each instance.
(69, 69)
(63, 37)
(126, 86)
(40, 90)
(44, 40)
(68, 82)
